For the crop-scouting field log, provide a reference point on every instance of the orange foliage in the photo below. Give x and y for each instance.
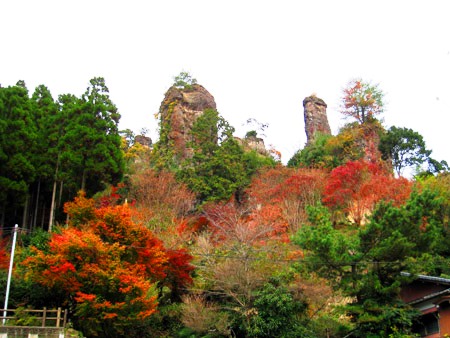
(159, 191)
(81, 210)
(107, 262)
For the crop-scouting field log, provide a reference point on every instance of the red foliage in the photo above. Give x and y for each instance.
(250, 225)
(362, 101)
(107, 262)
(187, 229)
(4, 255)
(358, 186)
(113, 198)
(289, 190)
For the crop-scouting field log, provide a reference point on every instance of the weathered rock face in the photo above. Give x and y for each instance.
(316, 120)
(143, 140)
(178, 112)
(253, 143)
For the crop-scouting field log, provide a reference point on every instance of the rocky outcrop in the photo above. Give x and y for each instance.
(316, 120)
(143, 140)
(253, 143)
(178, 112)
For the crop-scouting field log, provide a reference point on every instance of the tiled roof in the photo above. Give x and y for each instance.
(438, 280)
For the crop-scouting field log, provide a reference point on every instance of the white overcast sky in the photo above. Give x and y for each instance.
(259, 59)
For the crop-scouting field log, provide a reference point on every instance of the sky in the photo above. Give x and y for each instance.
(259, 59)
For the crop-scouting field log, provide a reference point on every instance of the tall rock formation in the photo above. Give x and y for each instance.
(178, 112)
(316, 121)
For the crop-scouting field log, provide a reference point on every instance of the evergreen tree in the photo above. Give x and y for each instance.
(45, 151)
(91, 141)
(406, 148)
(17, 139)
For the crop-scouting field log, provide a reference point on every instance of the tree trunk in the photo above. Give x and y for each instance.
(43, 216)
(60, 194)
(25, 212)
(2, 221)
(36, 208)
(83, 180)
(52, 206)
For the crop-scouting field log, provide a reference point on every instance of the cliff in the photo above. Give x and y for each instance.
(316, 120)
(178, 112)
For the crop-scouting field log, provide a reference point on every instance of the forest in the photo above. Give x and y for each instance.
(137, 241)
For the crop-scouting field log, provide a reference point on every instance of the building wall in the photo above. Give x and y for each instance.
(444, 318)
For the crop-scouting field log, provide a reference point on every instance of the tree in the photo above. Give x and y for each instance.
(278, 313)
(331, 251)
(46, 152)
(184, 80)
(316, 154)
(358, 186)
(17, 140)
(288, 190)
(406, 148)
(216, 169)
(235, 253)
(108, 268)
(367, 264)
(160, 197)
(91, 141)
(362, 101)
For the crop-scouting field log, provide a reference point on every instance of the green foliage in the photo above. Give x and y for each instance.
(373, 319)
(405, 148)
(332, 250)
(91, 144)
(22, 317)
(184, 80)
(216, 169)
(368, 263)
(251, 133)
(329, 152)
(317, 154)
(18, 137)
(278, 314)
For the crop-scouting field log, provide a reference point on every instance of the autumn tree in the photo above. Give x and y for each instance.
(161, 199)
(362, 101)
(288, 190)
(356, 187)
(110, 269)
(233, 261)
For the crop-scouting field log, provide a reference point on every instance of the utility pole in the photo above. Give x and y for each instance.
(11, 263)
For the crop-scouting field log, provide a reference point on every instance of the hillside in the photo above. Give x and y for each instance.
(204, 234)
